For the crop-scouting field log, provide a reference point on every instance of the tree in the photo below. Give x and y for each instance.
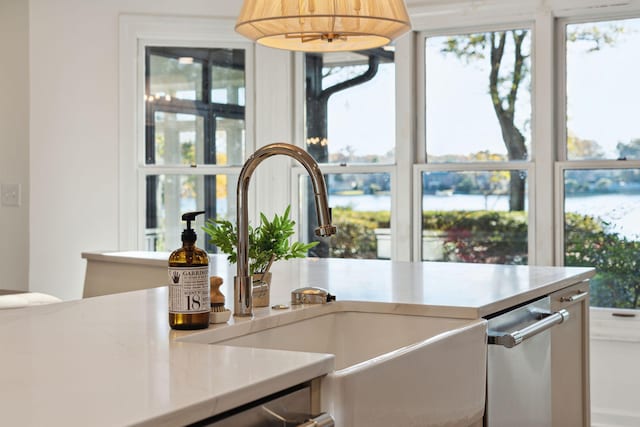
(630, 150)
(508, 74)
(590, 243)
(503, 90)
(317, 96)
(583, 149)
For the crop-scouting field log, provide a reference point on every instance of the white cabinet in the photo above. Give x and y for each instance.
(570, 358)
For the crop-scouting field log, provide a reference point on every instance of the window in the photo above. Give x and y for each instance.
(350, 131)
(474, 189)
(601, 174)
(194, 136)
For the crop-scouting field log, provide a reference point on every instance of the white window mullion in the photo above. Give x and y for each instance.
(541, 212)
(406, 148)
(560, 136)
(420, 153)
(416, 242)
(274, 92)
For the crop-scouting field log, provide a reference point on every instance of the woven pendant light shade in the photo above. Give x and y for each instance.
(323, 25)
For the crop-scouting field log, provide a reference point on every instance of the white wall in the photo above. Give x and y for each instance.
(615, 378)
(74, 130)
(14, 141)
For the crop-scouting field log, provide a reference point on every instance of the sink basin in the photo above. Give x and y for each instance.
(391, 369)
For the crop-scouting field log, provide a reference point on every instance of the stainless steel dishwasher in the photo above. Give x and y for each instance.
(519, 366)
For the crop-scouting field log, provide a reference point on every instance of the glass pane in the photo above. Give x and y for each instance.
(350, 110)
(229, 141)
(361, 211)
(169, 196)
(603, 90)
(472, 114)
(227, 85)
(478, 216)
(179, 139)
(602, 230)
(171, 78)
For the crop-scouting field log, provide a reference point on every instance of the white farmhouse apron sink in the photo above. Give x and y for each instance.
(390, 369)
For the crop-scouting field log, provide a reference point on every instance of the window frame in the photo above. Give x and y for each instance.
(401, 218)
(564, 164)
(136, 33)
(422, 165)
(548, 115)
(205, 109)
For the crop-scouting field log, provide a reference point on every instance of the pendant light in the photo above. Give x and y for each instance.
(323, 25)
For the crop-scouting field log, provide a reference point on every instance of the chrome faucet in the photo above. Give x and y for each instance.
(242, 284)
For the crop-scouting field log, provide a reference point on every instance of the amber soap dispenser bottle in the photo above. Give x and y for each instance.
(189, 301)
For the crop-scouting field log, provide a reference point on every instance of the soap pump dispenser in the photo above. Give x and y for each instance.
(189, 303)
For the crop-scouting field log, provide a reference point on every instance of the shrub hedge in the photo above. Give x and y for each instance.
(501, 237)
(615, 257)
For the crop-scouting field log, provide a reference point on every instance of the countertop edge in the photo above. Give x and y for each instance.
(218, 405)
(524, 297)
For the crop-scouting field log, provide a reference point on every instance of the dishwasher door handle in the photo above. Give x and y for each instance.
(512, 339)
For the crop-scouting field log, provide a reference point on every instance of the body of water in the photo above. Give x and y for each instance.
(622, 211)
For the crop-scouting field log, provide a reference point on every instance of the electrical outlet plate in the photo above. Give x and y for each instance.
(10, 194)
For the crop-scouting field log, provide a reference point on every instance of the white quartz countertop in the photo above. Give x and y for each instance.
(113, 360)
(435, 288)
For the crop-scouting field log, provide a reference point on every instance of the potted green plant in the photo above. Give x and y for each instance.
(268, 242)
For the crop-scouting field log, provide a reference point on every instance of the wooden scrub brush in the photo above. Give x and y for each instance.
(217, 298)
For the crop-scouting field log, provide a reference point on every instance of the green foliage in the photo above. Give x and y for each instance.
(630, 150)
(595, 36)
(469, 47)
(271, 239)
(355, 237)
(616, 259)
(481, 236)
(224, 235)
(467, 236)
(474, 236)
(582, 149)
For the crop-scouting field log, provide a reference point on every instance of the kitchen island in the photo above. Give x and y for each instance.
(113, 360)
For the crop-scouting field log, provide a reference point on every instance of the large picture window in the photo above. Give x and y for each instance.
(477, 147)
(350, 131)
(601, 174)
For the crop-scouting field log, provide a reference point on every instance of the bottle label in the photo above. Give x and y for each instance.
(189, 290)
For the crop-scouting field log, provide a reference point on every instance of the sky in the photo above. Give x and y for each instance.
(364, 116)
(603, 93)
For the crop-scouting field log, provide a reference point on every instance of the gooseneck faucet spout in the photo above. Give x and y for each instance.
(242, 284)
